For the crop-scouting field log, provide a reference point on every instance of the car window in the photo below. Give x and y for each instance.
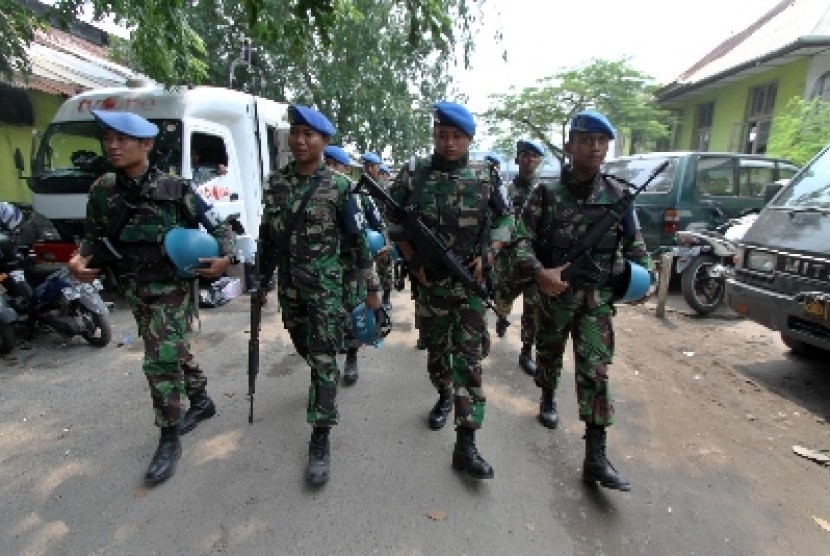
(637, 171)
(786, 170)
(754, 175)
(716, 175)
(811, 189)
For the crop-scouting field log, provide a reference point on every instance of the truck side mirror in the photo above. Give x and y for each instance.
(18, 161)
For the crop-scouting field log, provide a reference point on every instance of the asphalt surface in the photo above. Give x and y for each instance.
(76, 436)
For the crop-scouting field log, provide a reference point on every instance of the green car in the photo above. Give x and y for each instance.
(696, 190)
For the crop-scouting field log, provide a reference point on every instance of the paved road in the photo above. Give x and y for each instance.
(76, 436)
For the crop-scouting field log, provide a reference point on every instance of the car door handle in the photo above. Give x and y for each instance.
(234, 196)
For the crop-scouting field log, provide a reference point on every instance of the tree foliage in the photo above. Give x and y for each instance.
(543, 111)
(16, 31)
(375, 66)
(800, 130)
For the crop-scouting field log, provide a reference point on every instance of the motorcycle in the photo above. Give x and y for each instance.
(704, 260)
(36, 297)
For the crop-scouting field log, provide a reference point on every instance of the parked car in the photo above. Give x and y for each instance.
(698, 190)
(782, 274)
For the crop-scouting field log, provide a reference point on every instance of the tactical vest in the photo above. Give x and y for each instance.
(455, 206)
(139, 220)
(565, 219)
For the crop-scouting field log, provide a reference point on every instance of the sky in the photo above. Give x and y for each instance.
(663, 38)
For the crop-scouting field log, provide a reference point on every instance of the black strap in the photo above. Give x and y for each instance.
(285, 240)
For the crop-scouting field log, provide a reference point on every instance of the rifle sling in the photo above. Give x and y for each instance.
(285, 239)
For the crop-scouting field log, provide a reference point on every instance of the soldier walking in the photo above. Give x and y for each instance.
(555, 217)
(460, 204)
(302, 238)
(133, 209)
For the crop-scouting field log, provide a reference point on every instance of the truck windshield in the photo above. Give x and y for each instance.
(637, 171)
(74, 149)
(811, 189)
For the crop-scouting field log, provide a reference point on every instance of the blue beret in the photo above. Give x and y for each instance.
(385, 169)
(338, 154)
(589, 121)
(303, 115)
(525, 145)
(493, 158)
(126, 123)
(370, 158)
(451, 113)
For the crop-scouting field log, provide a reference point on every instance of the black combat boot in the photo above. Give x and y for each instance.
(442, 408)
(501, 327)
(387, 303)
(465, 456)
(201, 408)
(167, 455)
(350, 369)
(526, 361)
(319, 458)
(547, 410)
(596, 467)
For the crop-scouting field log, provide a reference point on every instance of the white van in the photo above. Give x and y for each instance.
(225, 141)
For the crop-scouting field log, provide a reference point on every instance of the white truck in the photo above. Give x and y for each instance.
(225, 141)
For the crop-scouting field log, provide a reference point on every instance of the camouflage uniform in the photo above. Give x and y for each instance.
(508, 289)
(310, 274)
(555, 216)
(455, 202)
(161, 301)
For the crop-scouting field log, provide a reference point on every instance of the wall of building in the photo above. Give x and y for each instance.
(12, 188)
(731, 104)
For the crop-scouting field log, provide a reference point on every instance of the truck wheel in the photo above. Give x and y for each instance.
(702, 292)
(7, 339)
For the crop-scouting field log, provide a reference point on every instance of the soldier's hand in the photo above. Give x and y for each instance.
(373, 300)
(217, 267)
(383, 253)
(550, 280)
(421, 275)
(478, 269)
(77, 267)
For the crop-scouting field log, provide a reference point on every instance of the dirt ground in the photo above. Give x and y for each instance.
(709, 411)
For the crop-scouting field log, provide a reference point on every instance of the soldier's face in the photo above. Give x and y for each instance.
(127, 153)
(528, 162)
(372, 169)
(450, 142)
(334, 165)
(587, 150)
(306, 144)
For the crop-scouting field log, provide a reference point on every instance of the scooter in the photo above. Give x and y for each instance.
(51, 299)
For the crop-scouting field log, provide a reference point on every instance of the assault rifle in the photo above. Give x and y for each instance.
(578, 255)
(257, 295)
(428, 243)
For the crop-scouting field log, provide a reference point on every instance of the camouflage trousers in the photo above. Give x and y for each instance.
(452, 327)
(163, 312)
(315, 320)
(508, 288)
(354, 293)
(585, 316)
(386, 274)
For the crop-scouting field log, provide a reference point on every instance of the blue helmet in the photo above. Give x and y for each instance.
(370, 326)
(633, 284)
(375, 239)
(185, 246)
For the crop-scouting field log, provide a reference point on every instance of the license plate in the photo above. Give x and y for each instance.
(817, 307)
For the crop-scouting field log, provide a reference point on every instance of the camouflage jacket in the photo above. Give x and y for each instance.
(134, 215)
(455, 200)
(317, 248)
(554, 218)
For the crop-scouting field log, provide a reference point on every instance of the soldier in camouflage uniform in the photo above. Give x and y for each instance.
(360, 274)
(461, 205)
(528, 158)
(302, 238)
(133, 209)
(555, 216)
(383, 260)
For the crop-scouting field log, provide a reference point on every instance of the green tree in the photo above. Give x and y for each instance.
(16, 31)
(800, 130)
(614, 88)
